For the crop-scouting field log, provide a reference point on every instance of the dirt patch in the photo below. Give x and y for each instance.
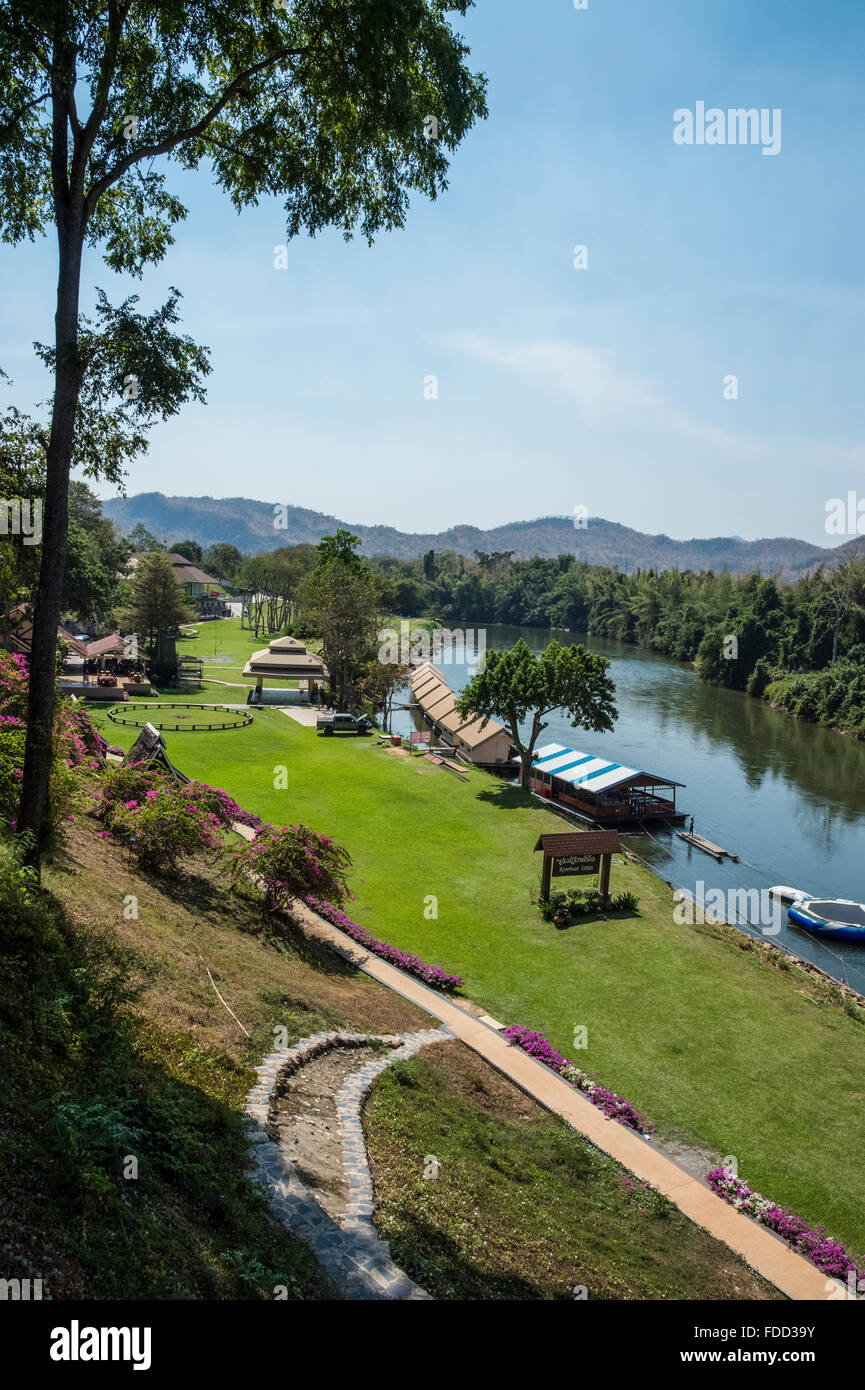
(695, 1160)
(472, 1079)
(303, 1120)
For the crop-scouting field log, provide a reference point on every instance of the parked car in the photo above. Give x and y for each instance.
(333, 723)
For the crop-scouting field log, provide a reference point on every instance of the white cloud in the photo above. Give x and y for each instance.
(608, 398)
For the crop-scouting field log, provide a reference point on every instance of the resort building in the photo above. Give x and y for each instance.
(596, 789)
(193, 581)
(286, 660)
(485, 747)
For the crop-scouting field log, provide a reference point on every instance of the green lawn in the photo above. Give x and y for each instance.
(718, 1049)
(225, 639)
(521, 1207)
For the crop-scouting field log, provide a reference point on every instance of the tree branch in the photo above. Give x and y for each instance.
(21, 111)
(84, 143)
(191, 133)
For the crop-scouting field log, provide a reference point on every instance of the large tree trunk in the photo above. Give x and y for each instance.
(34, 808)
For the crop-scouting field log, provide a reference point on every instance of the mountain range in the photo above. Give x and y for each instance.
(258, 526)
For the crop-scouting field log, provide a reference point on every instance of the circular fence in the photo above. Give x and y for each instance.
(193, 722)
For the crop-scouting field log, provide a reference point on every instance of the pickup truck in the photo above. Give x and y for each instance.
(343, 724)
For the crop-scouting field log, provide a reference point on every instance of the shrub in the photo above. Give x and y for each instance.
(13, 685)
(77, 740)
(164, 827)
(129, 782)
(220, 804)
(291, 862)
(12, 737)
(157, 815)
(580, 902)
(536, 1045)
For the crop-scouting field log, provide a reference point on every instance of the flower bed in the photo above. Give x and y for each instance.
(613, 1106)
(827, 1254)
(431, 975)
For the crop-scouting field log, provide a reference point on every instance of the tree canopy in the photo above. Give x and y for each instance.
(156, 604)
(342, 110)
(516, 685)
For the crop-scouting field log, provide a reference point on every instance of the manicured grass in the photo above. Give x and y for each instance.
(226, 638)
(522, 1208)
(165, 713)
(688, 1023)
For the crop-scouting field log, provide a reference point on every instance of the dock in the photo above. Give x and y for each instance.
(700, 842)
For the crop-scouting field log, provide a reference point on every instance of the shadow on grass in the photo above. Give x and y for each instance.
(506, 797)
(312, 952)
(592, 919)
(79, 1097)
(438, 1264)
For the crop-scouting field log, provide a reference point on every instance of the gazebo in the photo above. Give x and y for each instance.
(285, 659)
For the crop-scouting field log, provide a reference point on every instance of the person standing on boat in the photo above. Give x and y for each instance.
(691, 827)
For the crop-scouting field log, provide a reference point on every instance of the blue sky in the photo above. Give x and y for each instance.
(557, 387)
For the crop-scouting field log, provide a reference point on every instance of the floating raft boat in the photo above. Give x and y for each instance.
(839, 918)
(700, 842)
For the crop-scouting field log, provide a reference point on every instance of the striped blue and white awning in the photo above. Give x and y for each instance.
(585, 770)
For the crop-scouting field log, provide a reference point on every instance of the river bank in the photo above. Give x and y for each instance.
(788, 797)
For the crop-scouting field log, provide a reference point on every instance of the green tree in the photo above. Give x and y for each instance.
(22, 477)
(222, 560)
(324, 104)
(96, 560)
(190, 550)
(342, 548)
(516, 685)
(142, 540)
(344, 603)
(157, 605)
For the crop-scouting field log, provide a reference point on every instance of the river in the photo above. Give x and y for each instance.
(786, 796)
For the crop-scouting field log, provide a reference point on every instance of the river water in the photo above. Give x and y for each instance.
(786, 796)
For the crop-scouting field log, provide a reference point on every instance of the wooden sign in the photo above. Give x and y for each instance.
(580, 852)
(421, 735)
(575, 864)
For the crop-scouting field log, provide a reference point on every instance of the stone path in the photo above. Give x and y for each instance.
(350, 1252)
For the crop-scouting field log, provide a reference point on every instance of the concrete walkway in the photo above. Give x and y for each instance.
(763, 1251)
(300, 715)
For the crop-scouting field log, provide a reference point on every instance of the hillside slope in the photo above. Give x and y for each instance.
(249, 525)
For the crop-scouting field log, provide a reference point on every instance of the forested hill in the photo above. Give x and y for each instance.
(250, 526)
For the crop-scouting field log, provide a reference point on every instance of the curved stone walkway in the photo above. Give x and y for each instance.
(350, 1252)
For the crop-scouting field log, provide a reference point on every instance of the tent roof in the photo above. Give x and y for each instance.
(587, 770)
